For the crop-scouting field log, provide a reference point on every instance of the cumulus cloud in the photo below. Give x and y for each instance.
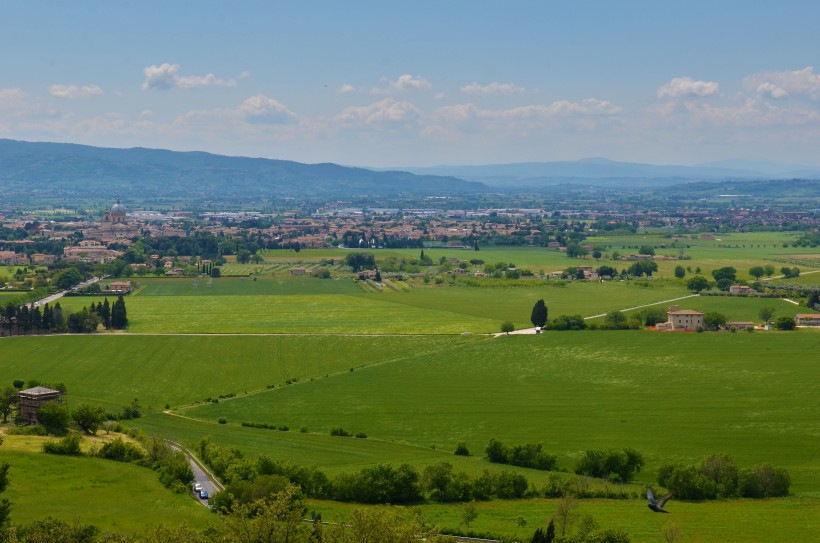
(560, 108)
(686, 86)
(789, 83)
(771, 90)
(260, 109)
(346, 89)
(408, 82)
(386, 110)
(74, 91)
(165, 77)
(492, 89)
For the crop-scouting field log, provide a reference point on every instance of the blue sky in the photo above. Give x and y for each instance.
(419, 83)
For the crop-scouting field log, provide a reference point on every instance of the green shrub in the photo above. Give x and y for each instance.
(121, 451)
(529, 455)
(461, 449)
(68, 446)
(613, 464)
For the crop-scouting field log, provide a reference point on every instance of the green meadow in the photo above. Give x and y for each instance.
(317, 306)
(674, 397)
(110, 495)
(311, 354)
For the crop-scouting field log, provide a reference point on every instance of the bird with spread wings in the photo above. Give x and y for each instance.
(657, 505)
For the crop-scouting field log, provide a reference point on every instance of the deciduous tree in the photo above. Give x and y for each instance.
(89, 417)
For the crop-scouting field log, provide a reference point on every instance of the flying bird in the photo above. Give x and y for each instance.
(657, 505)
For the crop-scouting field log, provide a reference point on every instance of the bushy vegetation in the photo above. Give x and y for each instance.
(567, 322)
(68, 446)
(379, 484)
(121, 451)
(718, 476)
(613, 464)
(526, 456)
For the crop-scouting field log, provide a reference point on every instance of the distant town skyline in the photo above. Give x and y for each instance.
(422, 83)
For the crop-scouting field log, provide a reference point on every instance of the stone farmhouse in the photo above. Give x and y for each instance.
(681, 320)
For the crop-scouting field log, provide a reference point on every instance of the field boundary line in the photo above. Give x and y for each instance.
(645, 305)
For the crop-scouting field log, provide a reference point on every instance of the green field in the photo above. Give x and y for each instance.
(319, 306)
(674, 397)
(314, 354)
(110, 495)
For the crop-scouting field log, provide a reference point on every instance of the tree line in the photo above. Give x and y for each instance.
(17, 320)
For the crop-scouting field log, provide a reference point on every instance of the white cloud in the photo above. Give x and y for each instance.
(560, 108)
(408, 82)
(739, 113)
(686, 86)
(386, 110)
(346, 89)
(260, 109)
(165, 77)
(492, 89)
(74, 91)
(789, 83)
(772, 91)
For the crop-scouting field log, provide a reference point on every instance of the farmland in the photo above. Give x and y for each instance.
(675, 397)
(391, 362)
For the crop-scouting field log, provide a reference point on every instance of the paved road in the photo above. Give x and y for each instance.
(56, 296)
(202, 475)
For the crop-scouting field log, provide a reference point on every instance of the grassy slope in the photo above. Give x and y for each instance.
(113, 369)
(110, 495)
(674, 397)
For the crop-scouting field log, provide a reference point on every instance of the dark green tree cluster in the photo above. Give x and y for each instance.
(785, 323)
(119, 315)
(84, 321)
(444, 484)
(360, 261)
(379, 484)
(698, 284)
(529, 455)
(724, 277)
(567, 322)
(614, 464)
(642, 267)
(790, 273)
(718, 476)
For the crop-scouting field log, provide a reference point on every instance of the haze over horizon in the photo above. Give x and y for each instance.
(421, 84)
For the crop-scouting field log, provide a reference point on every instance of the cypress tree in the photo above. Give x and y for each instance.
(539, 314)
(58, 321)
(105, 313)
(550, 535)
(48, 318)
(119, 318)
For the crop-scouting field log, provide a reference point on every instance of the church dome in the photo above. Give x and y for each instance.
(118, 208)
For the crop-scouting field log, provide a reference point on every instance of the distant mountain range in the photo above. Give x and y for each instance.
(80, 171)
(601, 171)
(49, 171)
